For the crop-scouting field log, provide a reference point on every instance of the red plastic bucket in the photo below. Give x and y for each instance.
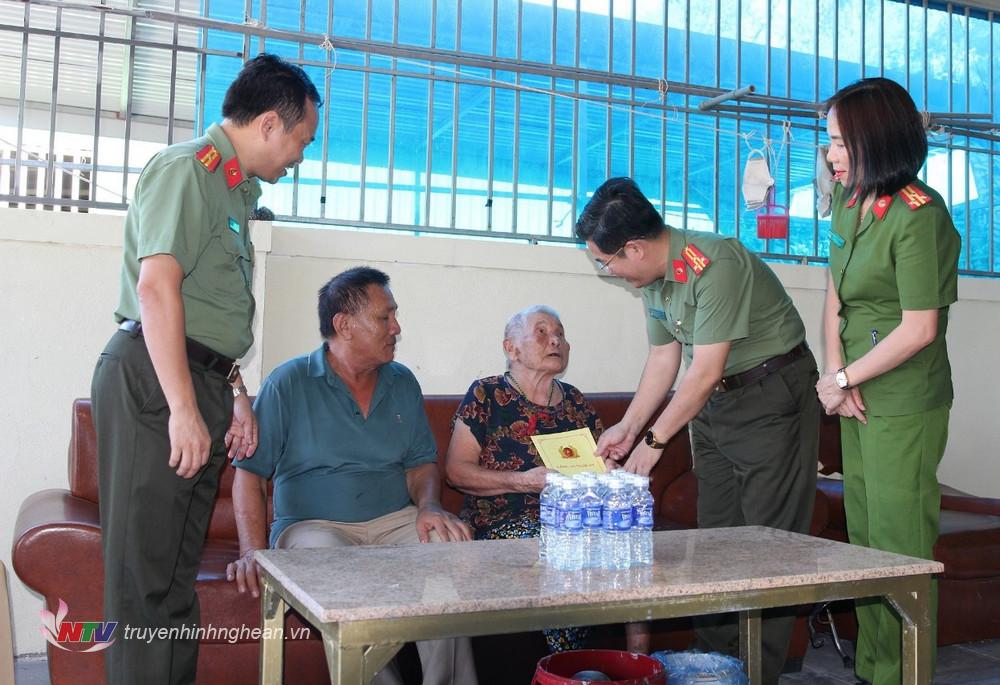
(773, 226)
(624, 668)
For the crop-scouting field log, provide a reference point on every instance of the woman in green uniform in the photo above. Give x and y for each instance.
(893, 274)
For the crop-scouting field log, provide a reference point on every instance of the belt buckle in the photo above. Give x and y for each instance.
(234, 371)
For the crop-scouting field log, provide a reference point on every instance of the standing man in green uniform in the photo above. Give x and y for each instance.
(168, 400)
(893, 275)
(753, 422)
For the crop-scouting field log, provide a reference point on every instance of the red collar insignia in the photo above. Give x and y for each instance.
(680, 273)
(914, 197)
(881, 206)
(234, 175)
(209, 157)
(853, 201)
(695, 259)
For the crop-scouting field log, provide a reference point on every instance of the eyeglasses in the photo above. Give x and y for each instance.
(603, 266)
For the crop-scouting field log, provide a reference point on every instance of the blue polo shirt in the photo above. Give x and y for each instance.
(329, 461)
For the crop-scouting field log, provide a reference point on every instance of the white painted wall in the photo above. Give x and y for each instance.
(58, 288)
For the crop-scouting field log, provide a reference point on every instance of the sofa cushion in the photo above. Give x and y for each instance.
(969, 545)
(678, 501)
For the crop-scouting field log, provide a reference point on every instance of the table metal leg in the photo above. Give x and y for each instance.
(346, 664)
(750, 650)
(914, 611)
(272, 640)
(377, 656)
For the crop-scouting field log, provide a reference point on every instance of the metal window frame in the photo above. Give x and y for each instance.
(619, 91)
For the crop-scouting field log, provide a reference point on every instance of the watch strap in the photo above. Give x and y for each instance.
(651, 440)
(842, 373)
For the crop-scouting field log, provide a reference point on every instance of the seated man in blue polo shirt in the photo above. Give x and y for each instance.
(344, 436)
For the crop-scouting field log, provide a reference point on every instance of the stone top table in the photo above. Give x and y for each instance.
(368, 601)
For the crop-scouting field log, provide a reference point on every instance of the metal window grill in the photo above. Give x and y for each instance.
(499, 117)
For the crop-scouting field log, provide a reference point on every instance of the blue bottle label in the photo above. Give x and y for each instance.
(618, 519)
(644, 515)
(592, 516)
(547, 514)
(570, 519)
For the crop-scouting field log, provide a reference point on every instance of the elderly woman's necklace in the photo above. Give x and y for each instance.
(533, 419)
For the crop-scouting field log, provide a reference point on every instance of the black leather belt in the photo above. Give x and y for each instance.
(196, 352)
(738, 380)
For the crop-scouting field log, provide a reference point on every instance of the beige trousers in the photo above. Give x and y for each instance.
(444, 662)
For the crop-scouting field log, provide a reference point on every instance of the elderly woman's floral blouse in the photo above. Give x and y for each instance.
(502, 420)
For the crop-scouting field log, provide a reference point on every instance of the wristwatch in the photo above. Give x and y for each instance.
(651, 440)
(240, 390)
(841, 378)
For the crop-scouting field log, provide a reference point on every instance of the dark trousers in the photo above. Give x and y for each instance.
(153, 522)
(755, 453)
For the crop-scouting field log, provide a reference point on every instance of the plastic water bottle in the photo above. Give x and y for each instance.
(617, 527)
(602, 484)
(547, 513)
(567, 552)
(592, 507)
(642, 522)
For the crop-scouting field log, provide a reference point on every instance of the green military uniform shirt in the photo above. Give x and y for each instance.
(716, 292)
(193, 201)
(903, 254)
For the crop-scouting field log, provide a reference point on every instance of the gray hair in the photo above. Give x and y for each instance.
(516, 324)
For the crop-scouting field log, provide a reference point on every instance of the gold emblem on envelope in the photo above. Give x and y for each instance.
(569, 452)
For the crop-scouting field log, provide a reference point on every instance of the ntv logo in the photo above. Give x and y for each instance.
(57, 631)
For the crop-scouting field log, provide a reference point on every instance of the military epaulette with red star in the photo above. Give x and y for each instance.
(914, 197)
(209, 157)
(695, 259)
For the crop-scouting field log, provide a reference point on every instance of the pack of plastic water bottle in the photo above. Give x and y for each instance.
(596, 521)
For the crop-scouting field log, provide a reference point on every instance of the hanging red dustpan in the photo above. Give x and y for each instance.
(772, 220)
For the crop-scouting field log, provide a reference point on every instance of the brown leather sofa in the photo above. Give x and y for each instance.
(969, 548)
(57, 553)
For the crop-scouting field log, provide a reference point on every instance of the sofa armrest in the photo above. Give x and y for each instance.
(971, 504)
(57, 543)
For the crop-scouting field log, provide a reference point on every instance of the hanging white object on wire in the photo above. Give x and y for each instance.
(757, 179)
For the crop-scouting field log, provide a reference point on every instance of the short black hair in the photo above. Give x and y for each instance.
(617, 213)
(346, 292)
(884, 135)
(267, 83)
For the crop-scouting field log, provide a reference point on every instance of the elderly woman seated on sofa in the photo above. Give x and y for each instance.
(491, 457)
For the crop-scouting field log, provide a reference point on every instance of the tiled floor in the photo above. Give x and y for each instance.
(973, 663)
